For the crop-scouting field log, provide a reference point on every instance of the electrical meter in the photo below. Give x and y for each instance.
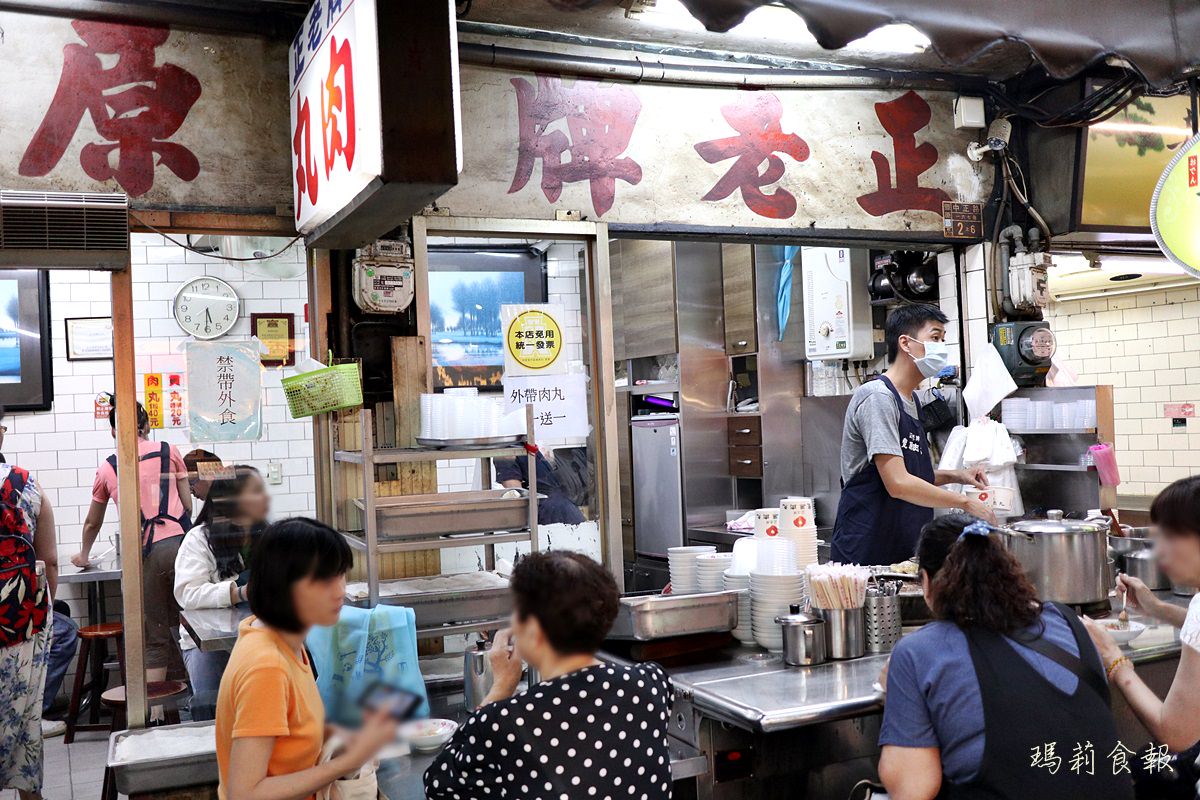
(837, 309)
(1026, 349)
(383, 277)
(1027, 280)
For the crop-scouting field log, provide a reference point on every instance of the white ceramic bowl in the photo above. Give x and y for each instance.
(1123, 635)
(425, 735)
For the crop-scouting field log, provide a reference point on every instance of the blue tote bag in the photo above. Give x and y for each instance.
(367, 645)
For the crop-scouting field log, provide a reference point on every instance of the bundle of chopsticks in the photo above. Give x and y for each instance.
(837, 585)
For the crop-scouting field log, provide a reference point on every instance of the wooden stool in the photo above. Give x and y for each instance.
(101, 634)
(158, 693)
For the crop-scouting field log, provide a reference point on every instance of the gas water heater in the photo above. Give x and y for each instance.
(837, 309)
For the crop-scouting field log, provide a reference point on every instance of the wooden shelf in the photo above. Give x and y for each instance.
(437, 543)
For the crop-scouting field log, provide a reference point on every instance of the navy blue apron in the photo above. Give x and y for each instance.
(873, 527)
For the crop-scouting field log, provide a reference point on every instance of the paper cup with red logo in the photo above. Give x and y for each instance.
(796, 513)
(998, 499)
(766, 522)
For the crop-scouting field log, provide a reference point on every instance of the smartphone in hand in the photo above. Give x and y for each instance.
(399, 703)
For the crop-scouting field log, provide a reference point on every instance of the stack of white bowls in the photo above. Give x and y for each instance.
(734, 582)
(685, 574)
(771, 596)
(710, 569)
(797, 524)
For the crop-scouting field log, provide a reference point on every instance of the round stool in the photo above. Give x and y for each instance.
(93, 664)
(158, 693)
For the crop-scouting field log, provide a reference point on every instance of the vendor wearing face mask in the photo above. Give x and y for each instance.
(889, 485)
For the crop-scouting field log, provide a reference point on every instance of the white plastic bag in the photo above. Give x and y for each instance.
(362, 785)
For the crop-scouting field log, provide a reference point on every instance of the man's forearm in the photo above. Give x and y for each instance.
(90, 533)
(913, 490)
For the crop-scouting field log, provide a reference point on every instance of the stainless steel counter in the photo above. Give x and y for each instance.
(759, 693)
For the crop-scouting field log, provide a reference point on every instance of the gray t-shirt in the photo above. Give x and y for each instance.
(872, 426)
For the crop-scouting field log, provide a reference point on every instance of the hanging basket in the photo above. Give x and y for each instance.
(324, 390)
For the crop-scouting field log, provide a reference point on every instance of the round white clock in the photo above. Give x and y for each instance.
(206, 307)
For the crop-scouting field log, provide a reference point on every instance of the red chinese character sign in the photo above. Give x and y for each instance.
(903, 118)
(336, 130)
(656, 156)
(134, 105)
(596, 124)
(756, 118)
(171, 118)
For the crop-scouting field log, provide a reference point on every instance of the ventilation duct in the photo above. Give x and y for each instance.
(49, 230)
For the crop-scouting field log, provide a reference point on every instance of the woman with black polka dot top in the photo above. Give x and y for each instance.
(588, 729)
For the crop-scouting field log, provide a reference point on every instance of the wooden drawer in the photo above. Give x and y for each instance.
(745, 431)
(745, 462)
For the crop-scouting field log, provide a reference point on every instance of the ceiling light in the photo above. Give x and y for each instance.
(1142, 265)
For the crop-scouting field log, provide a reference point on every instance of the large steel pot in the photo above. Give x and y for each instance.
(1065, 559)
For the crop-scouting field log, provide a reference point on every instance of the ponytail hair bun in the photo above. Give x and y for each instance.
(974, 581)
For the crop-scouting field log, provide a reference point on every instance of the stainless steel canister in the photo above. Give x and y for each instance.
(845, 630)
(882, 621)
(477, 674)
(803, 639)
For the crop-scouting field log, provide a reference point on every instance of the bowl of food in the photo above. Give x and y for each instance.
(1123, 633)
(425, 735)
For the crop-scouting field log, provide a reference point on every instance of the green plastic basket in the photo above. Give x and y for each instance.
(323, 390)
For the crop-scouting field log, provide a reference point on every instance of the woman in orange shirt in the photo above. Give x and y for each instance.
(270, 720)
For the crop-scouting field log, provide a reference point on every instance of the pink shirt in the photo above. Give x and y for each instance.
(105, 487)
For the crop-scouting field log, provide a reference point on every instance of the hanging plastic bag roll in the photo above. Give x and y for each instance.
(989, 384)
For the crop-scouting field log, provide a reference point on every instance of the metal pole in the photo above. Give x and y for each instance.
(129, 502)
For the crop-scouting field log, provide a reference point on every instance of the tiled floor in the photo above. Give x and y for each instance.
(74, 771)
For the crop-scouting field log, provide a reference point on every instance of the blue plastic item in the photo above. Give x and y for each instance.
(367, 645)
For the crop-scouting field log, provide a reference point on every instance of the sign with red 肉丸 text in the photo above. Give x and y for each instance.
(652, 155)
(334, 93)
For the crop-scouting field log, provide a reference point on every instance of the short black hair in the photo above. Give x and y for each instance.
(573, 598)
(143, 419)
(907, 320)
(290, 551)
(1176, 509)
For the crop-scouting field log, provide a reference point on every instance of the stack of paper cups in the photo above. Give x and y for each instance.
(797, 525)
(766, 522)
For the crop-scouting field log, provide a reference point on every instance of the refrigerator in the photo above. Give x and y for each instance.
(658, 496)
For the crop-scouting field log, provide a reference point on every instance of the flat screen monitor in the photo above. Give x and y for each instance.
(467, 287)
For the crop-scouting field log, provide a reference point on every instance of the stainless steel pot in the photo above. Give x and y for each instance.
(803, 639)
(1143, 564)
(477, 674)
(1066, 560)
(1183, 591)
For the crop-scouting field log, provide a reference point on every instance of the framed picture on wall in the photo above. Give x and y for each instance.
(278, 333)
(89, 338)
(26, 383)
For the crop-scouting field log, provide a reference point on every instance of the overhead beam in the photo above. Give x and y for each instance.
(274, 19)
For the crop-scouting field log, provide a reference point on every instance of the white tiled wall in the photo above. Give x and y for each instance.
(64, 446)
(1144, 346)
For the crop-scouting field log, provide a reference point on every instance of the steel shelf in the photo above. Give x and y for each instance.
(1052, 431)
(373, 543)
(1054, 467)
(404, 455)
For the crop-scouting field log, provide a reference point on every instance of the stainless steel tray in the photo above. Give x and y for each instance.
(159, 773)
(423, 516)
(447, 607)
(482, 442)
(645, 617)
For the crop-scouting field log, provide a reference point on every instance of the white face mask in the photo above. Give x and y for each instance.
(937, 356)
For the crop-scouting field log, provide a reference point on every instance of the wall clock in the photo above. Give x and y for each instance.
(206, 307)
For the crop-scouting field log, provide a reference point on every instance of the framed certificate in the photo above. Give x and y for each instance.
(278, 333)
(89, 339)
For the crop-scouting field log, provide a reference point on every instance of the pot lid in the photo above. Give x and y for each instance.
(1054, 523)
(798, 617)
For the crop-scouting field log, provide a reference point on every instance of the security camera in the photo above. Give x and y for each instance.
(996, 141)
